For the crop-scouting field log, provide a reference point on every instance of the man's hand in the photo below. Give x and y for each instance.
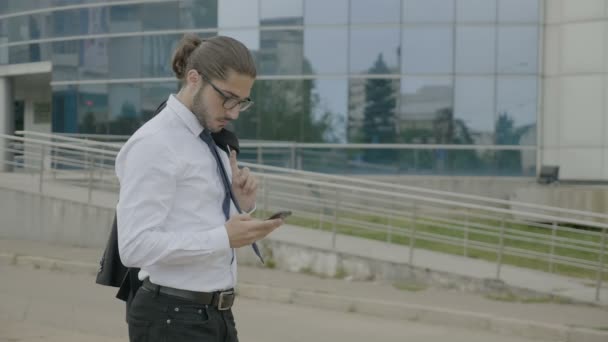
(244, 184)
(243, 230)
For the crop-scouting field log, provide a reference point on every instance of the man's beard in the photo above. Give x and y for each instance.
(199, 109)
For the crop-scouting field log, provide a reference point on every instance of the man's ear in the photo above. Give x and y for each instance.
(192, 77)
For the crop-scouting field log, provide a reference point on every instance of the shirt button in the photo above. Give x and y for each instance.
(176, 309)
(168, 321)
(200, 311)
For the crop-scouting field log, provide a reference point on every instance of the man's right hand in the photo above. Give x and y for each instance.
(243, 230)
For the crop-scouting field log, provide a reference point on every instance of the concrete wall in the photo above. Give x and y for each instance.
(496, 187)
(579, 197)
(29, 216)
(574, 125)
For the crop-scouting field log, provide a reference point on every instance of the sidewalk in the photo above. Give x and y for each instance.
(580, 290)
(548, 321)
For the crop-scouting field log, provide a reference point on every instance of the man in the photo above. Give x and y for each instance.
(179, 200)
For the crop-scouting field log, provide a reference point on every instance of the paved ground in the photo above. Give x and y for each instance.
(550, 313)
(576, 289)
(51, 306)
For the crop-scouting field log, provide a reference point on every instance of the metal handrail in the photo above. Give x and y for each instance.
(377, 183)
(59, 145)
(422, 190)
(346, 201)
(69, 139)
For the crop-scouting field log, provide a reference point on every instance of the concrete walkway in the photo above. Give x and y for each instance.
(546, 321)
(583, 290)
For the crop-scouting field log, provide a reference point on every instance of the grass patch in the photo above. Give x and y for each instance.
(404, 231)
(513, 298)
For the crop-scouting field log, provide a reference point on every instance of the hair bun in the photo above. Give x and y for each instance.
(186, 46)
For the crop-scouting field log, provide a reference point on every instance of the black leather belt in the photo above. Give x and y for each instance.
(223, 300)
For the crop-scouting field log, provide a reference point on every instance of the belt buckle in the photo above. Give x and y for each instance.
(225, 301)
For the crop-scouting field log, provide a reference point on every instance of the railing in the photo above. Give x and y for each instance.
(386, 159)
(567, 242)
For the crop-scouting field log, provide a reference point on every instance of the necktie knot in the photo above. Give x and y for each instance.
(206, 136)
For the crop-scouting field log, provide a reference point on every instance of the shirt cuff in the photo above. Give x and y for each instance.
(218, 238)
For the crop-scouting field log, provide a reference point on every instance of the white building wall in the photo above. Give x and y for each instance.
(574, 114)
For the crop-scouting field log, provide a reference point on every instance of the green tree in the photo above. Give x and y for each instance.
(508, 161)
(88, 124)
(379, 113)
(127, 121)
(283, 111)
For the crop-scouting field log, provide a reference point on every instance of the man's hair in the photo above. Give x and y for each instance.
(213, 57)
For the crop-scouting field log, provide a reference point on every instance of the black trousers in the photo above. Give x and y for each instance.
(154, 317)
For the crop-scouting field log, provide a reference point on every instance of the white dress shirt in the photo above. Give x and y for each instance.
(170, 218)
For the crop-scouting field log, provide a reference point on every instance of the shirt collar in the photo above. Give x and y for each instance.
(188, 118)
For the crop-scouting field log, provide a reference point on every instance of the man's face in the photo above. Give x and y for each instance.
(208, 103)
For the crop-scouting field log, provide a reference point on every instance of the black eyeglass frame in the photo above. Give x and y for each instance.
(243, 104)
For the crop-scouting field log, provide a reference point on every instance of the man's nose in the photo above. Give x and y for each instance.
(233, 113)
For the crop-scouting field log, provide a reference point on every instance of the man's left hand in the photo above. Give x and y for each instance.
(244, 184)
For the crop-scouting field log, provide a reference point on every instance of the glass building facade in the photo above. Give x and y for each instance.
(419, 72)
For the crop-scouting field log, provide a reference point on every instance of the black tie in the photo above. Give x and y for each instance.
(206, 137)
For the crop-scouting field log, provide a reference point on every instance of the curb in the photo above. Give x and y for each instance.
(409, 312)
(424, 314)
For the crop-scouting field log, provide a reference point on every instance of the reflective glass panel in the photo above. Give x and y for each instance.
(125, 56)
(4, 55)
(474, 109)
(65, 109)
(466, 162)
(518, 11)
(375, 12)
(475, 49)
(281, 12)
(426, 110)
(28, 53)
(518, 49)
(329, 106)
(373, 110)
(427, 50)
(157, 55)
(281, 52)
(238, 13)
(124, 108)
(318, 59)
(126, 18)
(325, 12)
(93, 60)
(160, 16)
(198, 13)
(93, 109)
(251, 38)
(153, 94)
(476, 11)
(282, 111)
(517, 107)
(67, 23)
(431, 11)
(375, 50)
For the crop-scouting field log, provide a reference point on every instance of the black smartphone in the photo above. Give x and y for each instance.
(280, 214)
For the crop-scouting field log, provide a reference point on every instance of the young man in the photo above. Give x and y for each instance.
(179, 200)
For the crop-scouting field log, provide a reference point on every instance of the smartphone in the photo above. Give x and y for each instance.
(280, 214)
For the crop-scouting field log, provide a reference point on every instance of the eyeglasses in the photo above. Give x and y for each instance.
(230, 101)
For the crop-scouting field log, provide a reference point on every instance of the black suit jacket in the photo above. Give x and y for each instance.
(111, 271)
